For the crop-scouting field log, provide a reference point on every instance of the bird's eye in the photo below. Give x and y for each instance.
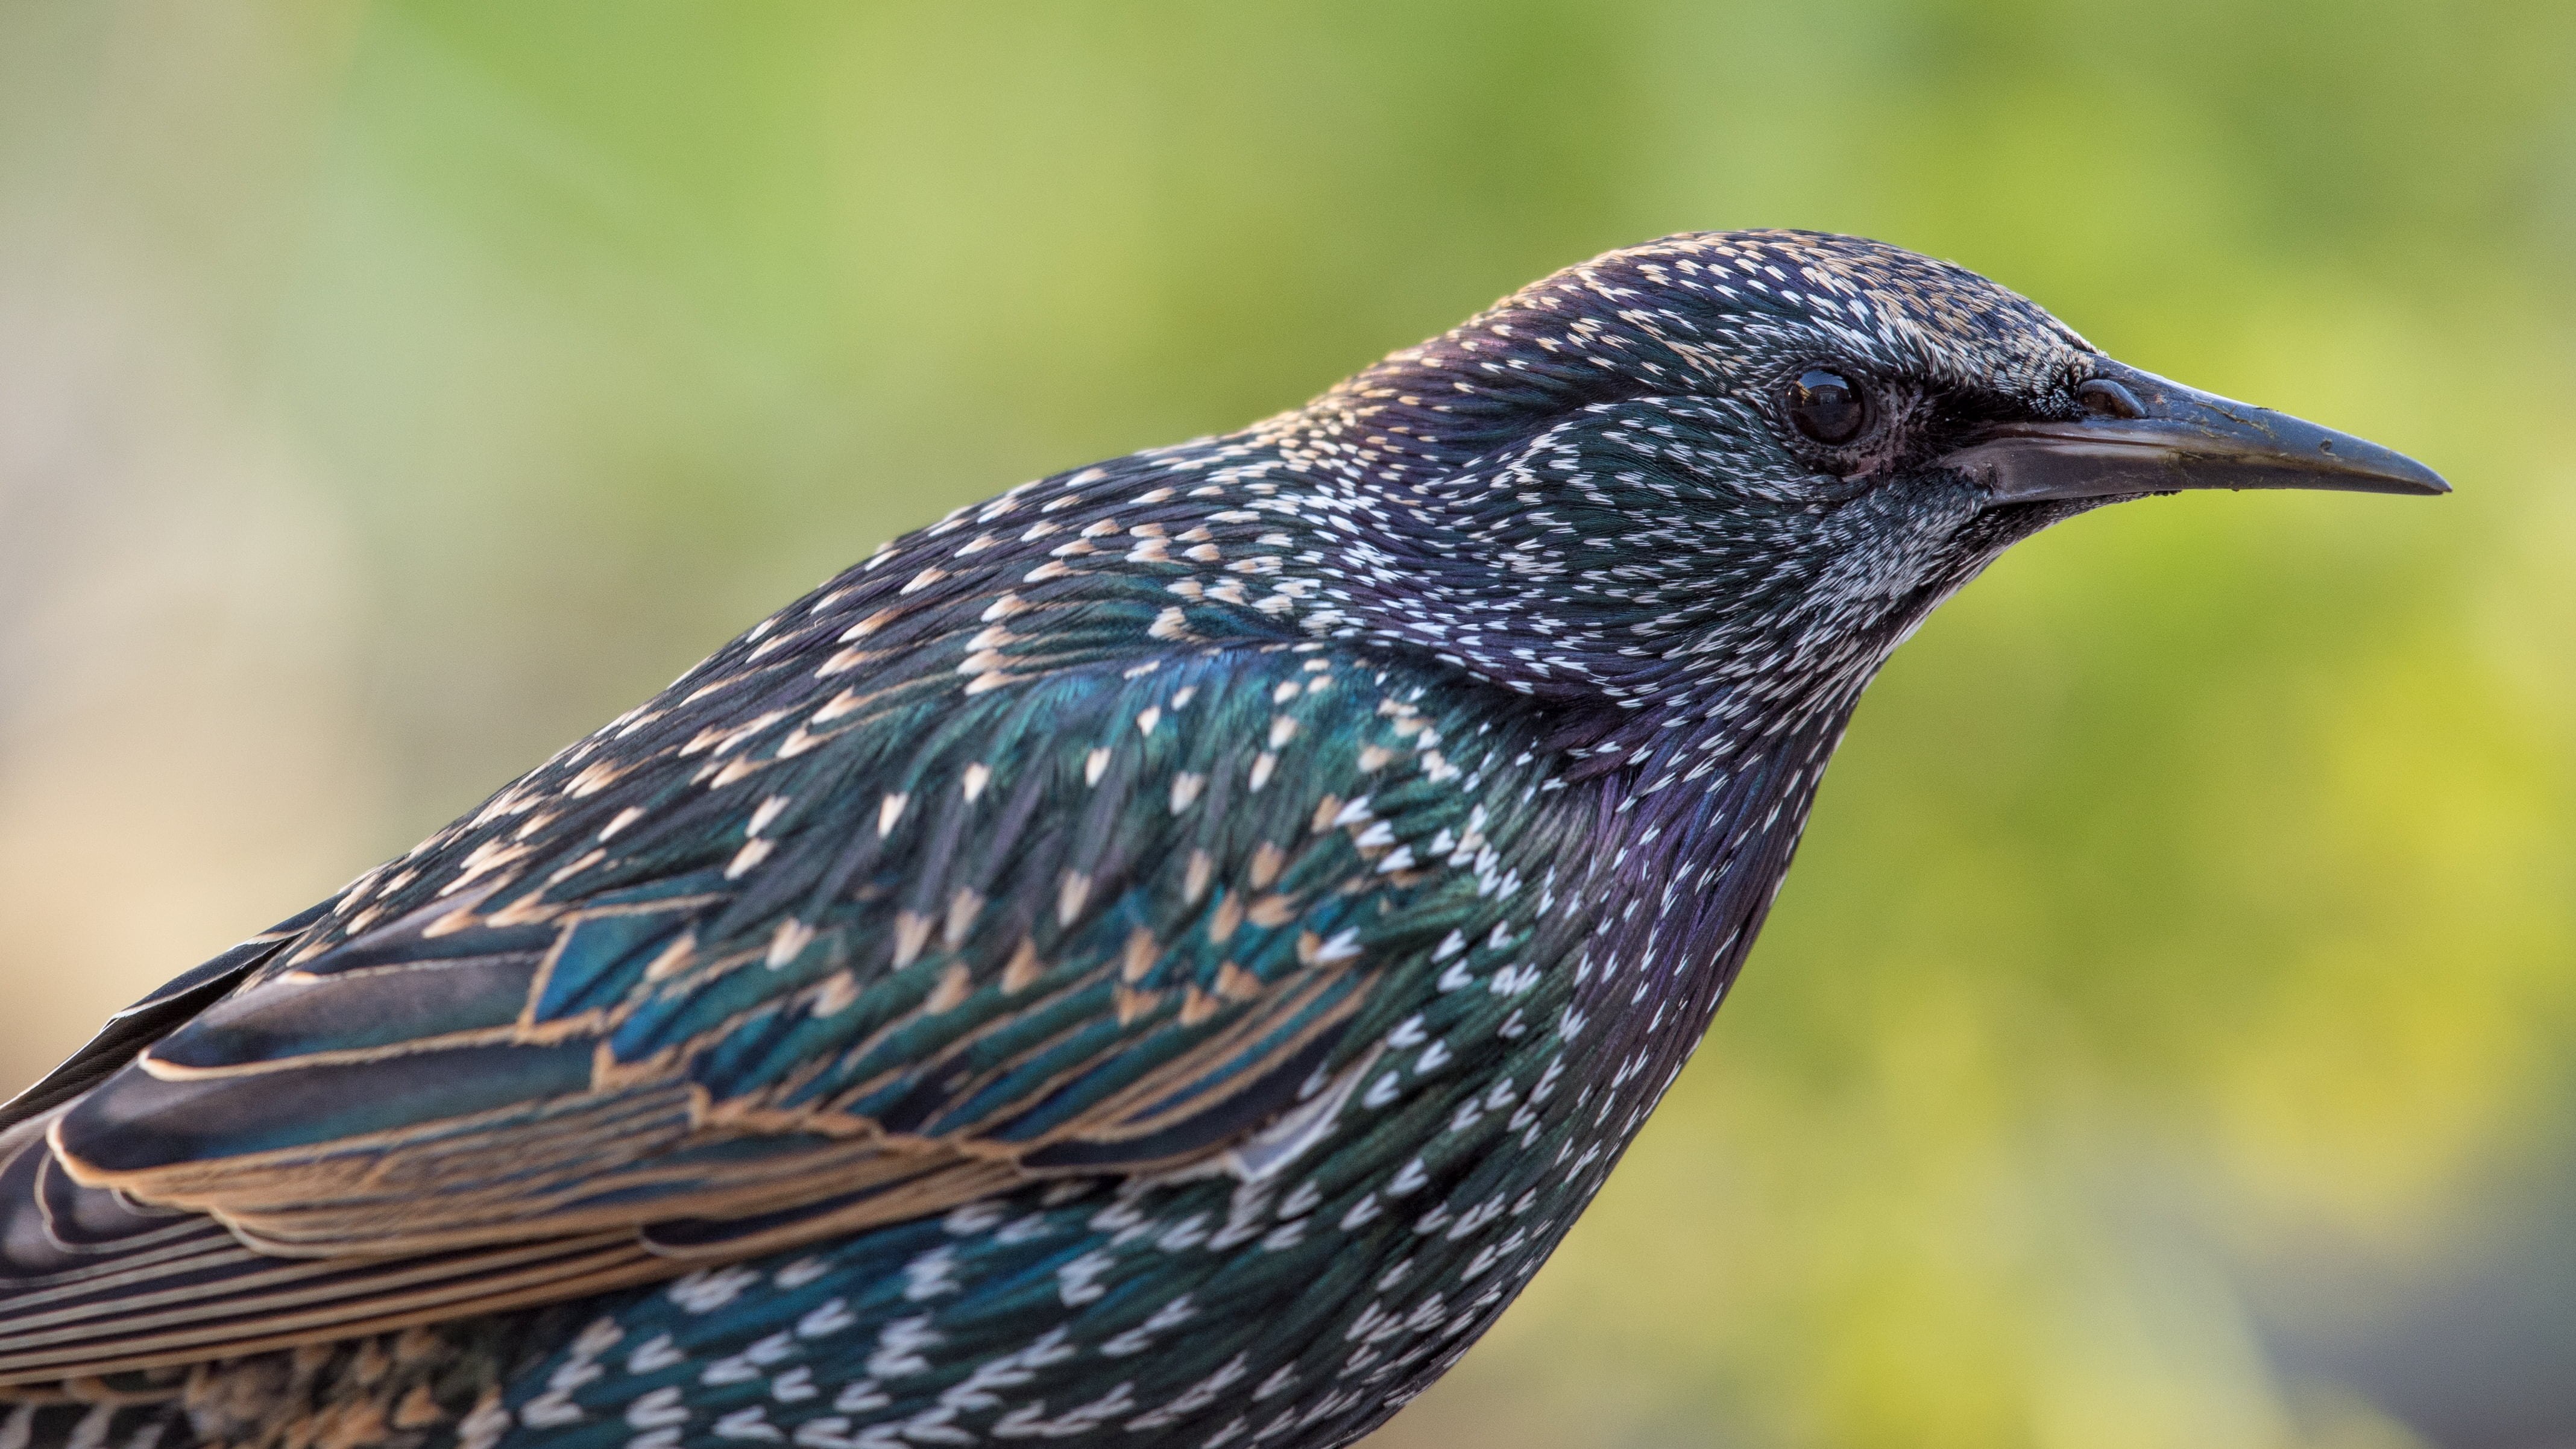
(1827, 406)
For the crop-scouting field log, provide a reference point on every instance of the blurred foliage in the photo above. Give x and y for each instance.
(2177, 984)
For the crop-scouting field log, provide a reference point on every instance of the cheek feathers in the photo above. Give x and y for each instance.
(1885, 546)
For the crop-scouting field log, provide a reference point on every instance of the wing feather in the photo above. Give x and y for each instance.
(852, 955)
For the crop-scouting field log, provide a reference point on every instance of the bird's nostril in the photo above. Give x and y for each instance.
(2104, 398)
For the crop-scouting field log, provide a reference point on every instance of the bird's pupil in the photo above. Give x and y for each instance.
(1826, 406)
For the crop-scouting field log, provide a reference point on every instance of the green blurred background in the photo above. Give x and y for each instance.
(2166, 1036)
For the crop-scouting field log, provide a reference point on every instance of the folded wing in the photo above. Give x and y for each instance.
(689, 993)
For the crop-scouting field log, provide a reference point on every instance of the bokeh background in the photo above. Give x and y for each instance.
(2169, 1034)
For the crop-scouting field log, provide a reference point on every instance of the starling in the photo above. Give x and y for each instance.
(1156, 958)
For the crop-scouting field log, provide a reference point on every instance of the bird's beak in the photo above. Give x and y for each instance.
(2147, 435)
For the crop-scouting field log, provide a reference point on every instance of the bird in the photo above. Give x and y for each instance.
(1158, 957)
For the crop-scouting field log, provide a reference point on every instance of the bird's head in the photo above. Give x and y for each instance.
(1725, 469)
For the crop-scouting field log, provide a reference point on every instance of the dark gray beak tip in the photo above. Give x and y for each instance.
(2148, 435)
(2389, 471)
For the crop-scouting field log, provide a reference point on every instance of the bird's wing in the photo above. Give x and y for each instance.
(833, 966)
